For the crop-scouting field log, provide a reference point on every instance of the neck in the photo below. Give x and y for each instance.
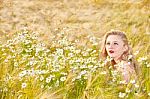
(117, 60)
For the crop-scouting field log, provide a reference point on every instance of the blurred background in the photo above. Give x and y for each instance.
(80, 17)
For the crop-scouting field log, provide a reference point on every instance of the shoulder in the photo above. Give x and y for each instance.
(128, 66)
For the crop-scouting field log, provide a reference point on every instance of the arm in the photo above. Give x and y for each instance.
(128, 72)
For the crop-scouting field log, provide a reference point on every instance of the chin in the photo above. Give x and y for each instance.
(112, 56)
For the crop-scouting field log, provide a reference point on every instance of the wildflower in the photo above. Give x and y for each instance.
(95, 67)
(136, 53)
(31, 63)
(148, 65)
(90, 66)
(71, 61)
(63, 73)
(59, 51)
(123, 82)
(31, 72)
(149, 94)
(6, 60)
(23, 73)
(24, 85)
(78, 51)
(85, 53)
(121, 64)
(92, 39)
(83, 72)
(27, 42)
(114, 79)
(62, 79)
(128, 90)
(57, 83)
(77, 41)
(73, 79)
(142, 59)
(103, 72)
(136, 86)
(94, 51)
(78, 77)
(42, 86)
(63, 41)
(15, 64)
(83, 66)
(70, 54)
(49, 87)
(132, 81)
(41, 78)
(108, 59)
(85, 77)
(48, 79)
(78, 60)
(95, 43)
(122, 95)
(102, 64)
(114, 72)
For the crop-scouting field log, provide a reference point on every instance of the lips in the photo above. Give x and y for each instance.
(111, 51)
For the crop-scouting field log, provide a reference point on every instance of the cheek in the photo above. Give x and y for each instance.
(120, 50)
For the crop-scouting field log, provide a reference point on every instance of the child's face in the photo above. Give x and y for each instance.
(115, 46)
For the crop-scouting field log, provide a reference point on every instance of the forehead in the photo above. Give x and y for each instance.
(114, 38)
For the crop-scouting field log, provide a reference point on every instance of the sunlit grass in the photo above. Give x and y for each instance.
(58, 55)
(30, 68)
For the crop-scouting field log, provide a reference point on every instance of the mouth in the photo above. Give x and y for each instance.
(111, 51)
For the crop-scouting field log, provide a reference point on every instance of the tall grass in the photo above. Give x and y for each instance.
(62, 70)
(57, 57)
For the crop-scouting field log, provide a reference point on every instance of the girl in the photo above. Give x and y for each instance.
(116, 47)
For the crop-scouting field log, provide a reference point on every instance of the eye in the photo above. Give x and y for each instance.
(115, 43)
(107, 43)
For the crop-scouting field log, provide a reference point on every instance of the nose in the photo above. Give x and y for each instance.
(110, 46)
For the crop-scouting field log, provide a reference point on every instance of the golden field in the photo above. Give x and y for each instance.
(49, 49)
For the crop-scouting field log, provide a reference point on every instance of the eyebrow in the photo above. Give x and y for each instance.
(113, 41)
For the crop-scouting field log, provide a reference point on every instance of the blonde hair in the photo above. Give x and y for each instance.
(125, 55)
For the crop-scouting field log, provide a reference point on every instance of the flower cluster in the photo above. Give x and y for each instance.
(30, 64)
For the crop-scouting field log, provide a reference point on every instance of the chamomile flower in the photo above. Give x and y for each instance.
(122, 95)
(23, 73)
(123, 82)
(41, 78)
(136, 85)
(132, 81)
(63, 78)
(103, 72)
(142, 59)
(128, 90)
(148, 65)
(149, 94)
(24, 85)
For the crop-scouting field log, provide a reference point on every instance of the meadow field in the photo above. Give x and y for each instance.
(50, 49)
